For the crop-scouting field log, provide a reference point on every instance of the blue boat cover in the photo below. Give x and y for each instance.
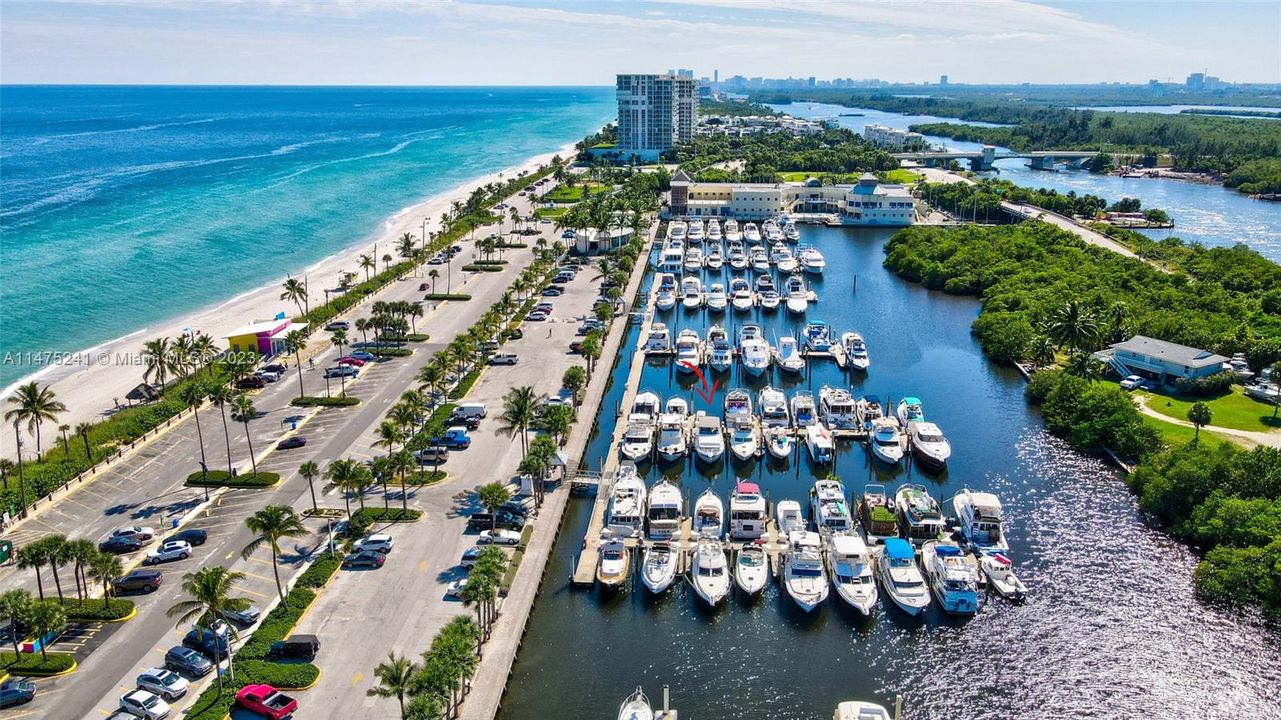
(947, 550)
(912, 400)
(872, 399)
(899, 549)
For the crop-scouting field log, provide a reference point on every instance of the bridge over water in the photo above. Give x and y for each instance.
(983, 159)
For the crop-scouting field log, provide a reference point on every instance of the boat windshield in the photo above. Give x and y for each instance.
(929, 437)
(751, 560)
(711, 571)
(805, 572)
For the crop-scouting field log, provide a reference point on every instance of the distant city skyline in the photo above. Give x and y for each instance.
(585, 42)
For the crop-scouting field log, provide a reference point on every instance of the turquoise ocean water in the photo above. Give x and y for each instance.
(122, 207)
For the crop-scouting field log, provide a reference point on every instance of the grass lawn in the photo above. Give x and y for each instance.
(563, 194)
(795, 176)
(1178, 435)
(1233, 410)
(552, 213)
(901, 176)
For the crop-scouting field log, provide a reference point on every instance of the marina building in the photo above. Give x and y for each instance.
(867, 202)
(655, 112)
(892, 137)
(1160, 360)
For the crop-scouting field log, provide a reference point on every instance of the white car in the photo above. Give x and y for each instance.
(165, 683)
(170, 550)
(455, 588)
(143, 704)
(143, 534)
(248, 616)
(470, 556)
(499, 537)
(1132, 382)
(377, 543)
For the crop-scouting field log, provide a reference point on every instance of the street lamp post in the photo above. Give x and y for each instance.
(22, 480)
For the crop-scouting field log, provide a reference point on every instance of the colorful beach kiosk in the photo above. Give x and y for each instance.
(265, 337)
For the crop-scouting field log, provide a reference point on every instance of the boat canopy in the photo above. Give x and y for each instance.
(947, 551)
(872, 399)
(749, 488)
(912, 401)
(899, 549)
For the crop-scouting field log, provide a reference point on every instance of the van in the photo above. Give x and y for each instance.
(469, 410)
(432, 454)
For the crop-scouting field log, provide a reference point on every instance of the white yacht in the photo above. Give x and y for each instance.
(744, 437)
(614, 561)
(788, 355)
(836, 408)
(811, 260)
(676, 230)
(696, 231)
(918, 513)
(772, 233)
(747, 512)
(714, 230)
(738, 404)
(625, 516)
(751, 233)
(998, 570)
(638, 440)
(658, 341)
(691, 292)
(636, 707)
(709, 438)
(709, 515)
(868, 409)
(886, 440)
(803, 575)
(710, 571)
(929, 446)
(817, 336)
(804, 413)
(693, 259)
(829, 507)
(772, 405)
(781, 257)
(666, 509)
(909, 411)
(901, 578)
(715, 259)
(717, 300)
(859, 710)
(778, 441)
(665, 298)
(850, 565)
(875, 512)
(751, 569)
(789, 518)
(658, 568)
(740, 295)
(672, 260)
(689, 351)
(758, 259)
(790, 232)
(646, 406)
(753, 350)
(979, 515)
(952, 576)
(673, 431)
(769, 299)
(855, 350)
(732, 233)
(818, 440)
(719, 351)
(797, 294)
(736, 256)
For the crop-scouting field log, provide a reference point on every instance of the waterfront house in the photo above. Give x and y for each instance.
(1160, 360)
(867, 202)
(265, 337)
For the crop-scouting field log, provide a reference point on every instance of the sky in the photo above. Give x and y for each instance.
(585, 42)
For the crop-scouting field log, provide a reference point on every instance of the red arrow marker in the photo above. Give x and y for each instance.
(707, 394)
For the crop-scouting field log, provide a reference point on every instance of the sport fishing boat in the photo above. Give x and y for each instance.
(778, 441)
(717, 300)
(740, 295)
(720, 353)
(901, 578)
(751, 569)
(744, 437)
(803, 574)
(886, 441)
(709, 438)
(638, 440)
(736, 256)
(772, 404)
(673, 430)
(676, 230)
(909, 411)
(811, 260)
(875, 512)
(691, 292)
(758, 259)
(868, 410)
(646, 406)
(625, 516)
(766, 294)
(672, 259)
(747, 512)
(771, 232)
(689, 351)
(751, 233)
(829, 508)
(714, 230)
(859, 710)
(666, 509)
(693, 259)
(781, 257)
(818, 440)
(665, 298)
(790, 232)
(836, 408)
(803, 410)
(658, 567)
(918, 513)
(636, 707)
(850, 567)
(715, 259)
(929, 445)
(738, 403)
(980, 518)
(696, 231)
(797, 295)
(614, 561)
(855, 350)
(789, 518)
(709, 573)
(732, 233)
(753, 350)
(709, 515)
(998, 570)
(658, 341)
(818, 336)
(788, 355)
(952, 576)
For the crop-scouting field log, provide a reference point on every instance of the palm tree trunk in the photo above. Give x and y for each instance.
(106, 593)
(226, 431)
(13, 623)
(298, 362)
(57, 581)
(252, 460)
(275, 570)
(346, 498)
(200, 437)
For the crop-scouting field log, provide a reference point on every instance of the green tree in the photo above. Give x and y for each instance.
(193, 396)
(209, 598)
(558, 420)
(1074, 326)
(80, 553)
(295, 341)
(157, 358)
(269, 526)
(222, 396)
(367, 263)
(493, 496)
(520, 407)
(48, 618)
(1199, 415)
(16, 605)
(310, 471)
(34, 405)
(350, 477)
(243, 411)
(82, 429)
(34, 556)
(105, 567)
(395, 678)
(574, 380)
(296, 292)
(1042, 351)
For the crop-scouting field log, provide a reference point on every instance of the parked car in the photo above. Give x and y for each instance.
(208, 641)
(248, 616)
(267, 701)
(455, 588)
(138, 581)
(351, 360)
(489, 346)
(504, 521)
(297, 647)
(168, 551)
(503, 359)
(16, 692)
(514, 334)
(470, 556)
(576, 346)
(120, 545)
(187, 661)
(424, 287)
(499, 537)
(364, 558)
(536, 316)
(431, 455)
(378, 542)
(165, 683)
(194, 536)
(253, 382)
(469, 410)
(268, 375)
(435, 260)
(362, 355)
(454, 437)
(142, 534)
(277, 368)
(1132, 382)
(341, 371)
(143, 704)
(289, 443)
(552, 291)
(337, 325)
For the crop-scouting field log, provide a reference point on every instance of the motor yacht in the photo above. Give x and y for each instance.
(886, 441)
(868, 410)
(929, 446)
(788, 355)
(691, 292)
(689, 351)
(909, 410)
(918, 513)
(719, 351)
(771, 232)
(791, 233)
(673, 432)
(758, 259)
(998, 570)
(744, 437)
(818, 440)
(717, 300)
(858, 710)
(952, 576)
(715, 259)
(714, 230)
(709, 515)
(732, 233)
(736, 256)
(693, 259)
(836, 408)
(658, 341)
(797, 295)
(855, 350)
(875, 512)
(738, 403)
(817, 336)
(781, 257)
(740, 295)
(751, 233)
(638, 440)
(901, 578)
(764, 282)
(666, 509)
(636, 707)
(658, 567)
(811, 260)
(709, 572)
(747, 512)
(804, 413)
(753, 350)
(769, 300)
(676, 230)
(614, 561)
(625, 516)
(695, 233)
(646, 406)
(672, 259)
(751, 569)
(709, 438)
(772, 405)
(803, 576)
(788, 517)
(778, 441)
(850, 566)
(665, 297)
(980, 518)
(829, 508)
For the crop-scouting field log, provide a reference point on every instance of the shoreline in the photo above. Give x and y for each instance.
(89, 381)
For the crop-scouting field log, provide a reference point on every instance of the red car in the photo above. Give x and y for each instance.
(349, 360)
(267, 701)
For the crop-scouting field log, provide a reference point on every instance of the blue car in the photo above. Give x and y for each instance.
(16, 692)
(361, 355)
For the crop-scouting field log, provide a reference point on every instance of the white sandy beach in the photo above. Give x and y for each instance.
(90, 382)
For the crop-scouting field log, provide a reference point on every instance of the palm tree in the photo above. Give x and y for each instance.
(405, 245)
(81, 552)
(82, 429)
(493, 496)
(270, 524)
(6, 467)
(395, 678)
(368, 263)
(208, 599)
(1042, 351)
(58, 553)
(1073, 325)
(520, 406)
(1199, 414)
(47, 617)
(203, 349)
(362, 326)
(296, 292)
(295, 341)
(33, 556)
(1118, 315)
(34, 405)
(222, 396)
(243, 411)
(193, 396)
(389, 433)
(401, 463)
(382, 470)
(15, 605)
(433, 374)
(387, 258)
(1083, 365)
(65, 448)
(310, 471)
(105, 567)
(158, 358)
(350, 477)
(433, 274)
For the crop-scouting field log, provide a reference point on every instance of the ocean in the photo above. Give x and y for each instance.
(125, 206)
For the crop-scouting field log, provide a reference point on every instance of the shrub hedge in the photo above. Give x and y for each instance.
(477, 267)
(1216, 384)
(321, 401)
(464, 386)
(32, 664)
(425, 477)
(92, 610)
(376, 515)
(447, 296)
(221, 478)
